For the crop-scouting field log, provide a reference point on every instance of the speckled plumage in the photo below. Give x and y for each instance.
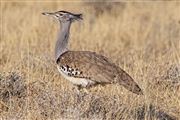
(97, 68)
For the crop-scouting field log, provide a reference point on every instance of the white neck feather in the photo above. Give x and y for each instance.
(62, 41)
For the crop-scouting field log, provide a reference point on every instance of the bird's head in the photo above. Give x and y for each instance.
(64, 16)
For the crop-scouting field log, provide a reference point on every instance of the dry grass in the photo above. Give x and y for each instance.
(142, 38)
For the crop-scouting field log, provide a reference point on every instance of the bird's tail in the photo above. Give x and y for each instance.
(125, 80)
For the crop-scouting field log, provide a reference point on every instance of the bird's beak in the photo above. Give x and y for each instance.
(47, 13)
(50, 14)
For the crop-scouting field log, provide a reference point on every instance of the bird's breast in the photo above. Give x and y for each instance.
(72, 75)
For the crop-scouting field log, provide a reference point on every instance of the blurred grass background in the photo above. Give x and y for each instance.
(143, 38)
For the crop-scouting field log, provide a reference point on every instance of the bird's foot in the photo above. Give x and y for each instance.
(76, 89)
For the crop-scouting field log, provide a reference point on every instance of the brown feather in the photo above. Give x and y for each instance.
(97, 68)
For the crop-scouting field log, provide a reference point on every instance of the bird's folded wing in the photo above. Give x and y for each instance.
(90, 65)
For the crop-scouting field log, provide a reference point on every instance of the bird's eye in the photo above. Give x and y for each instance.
(60, 14)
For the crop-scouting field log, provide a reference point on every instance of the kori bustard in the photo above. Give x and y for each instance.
(85, 68)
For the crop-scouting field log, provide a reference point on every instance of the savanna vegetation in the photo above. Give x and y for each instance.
(143, 38)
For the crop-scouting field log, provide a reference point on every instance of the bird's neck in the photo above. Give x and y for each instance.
(62, 41)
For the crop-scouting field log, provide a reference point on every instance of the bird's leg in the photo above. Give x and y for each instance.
(77, 89)
(83, 89)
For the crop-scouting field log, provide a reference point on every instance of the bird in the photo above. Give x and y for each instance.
(86, 69)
